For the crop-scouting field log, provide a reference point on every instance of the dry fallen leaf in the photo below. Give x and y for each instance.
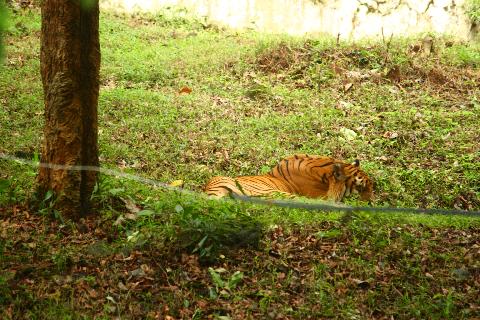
(390, 135)
(185, 90)
(176, 183)
(337, 69)
(225, 154)
(131, 206)
(119, 220)
(394, 74)
(130, 216)
(93, 293)
(122, 287)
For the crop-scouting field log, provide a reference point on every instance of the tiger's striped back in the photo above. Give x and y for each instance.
(300, 174)
(311, 176)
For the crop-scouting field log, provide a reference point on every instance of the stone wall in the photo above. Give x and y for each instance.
(349, 19)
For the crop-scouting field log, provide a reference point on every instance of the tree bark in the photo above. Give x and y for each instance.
(70, 65)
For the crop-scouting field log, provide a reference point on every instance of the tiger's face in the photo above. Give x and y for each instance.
(362, 184)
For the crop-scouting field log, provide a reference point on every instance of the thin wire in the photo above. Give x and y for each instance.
(333, 207)
(109, 172)
(278, 203)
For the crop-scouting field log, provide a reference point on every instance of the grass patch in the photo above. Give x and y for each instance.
(258, 98)
(473, 10)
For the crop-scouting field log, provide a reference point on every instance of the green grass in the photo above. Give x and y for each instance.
(473, 10)
(255, 99)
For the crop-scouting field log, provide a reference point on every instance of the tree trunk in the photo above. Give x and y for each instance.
(70, 64)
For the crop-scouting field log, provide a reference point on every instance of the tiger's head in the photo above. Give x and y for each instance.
(360, 182)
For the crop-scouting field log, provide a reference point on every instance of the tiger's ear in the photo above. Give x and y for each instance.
(339, 172)
(356, 163)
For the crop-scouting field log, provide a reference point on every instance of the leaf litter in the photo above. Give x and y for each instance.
(305, 272)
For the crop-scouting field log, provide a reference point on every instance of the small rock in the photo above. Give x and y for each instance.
(461, 274)
(348, 134)
(137, 273)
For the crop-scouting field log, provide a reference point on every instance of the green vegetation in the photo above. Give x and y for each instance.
(473, 10)
(412, 118)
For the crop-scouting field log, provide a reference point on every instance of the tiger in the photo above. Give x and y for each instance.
(301, 175)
